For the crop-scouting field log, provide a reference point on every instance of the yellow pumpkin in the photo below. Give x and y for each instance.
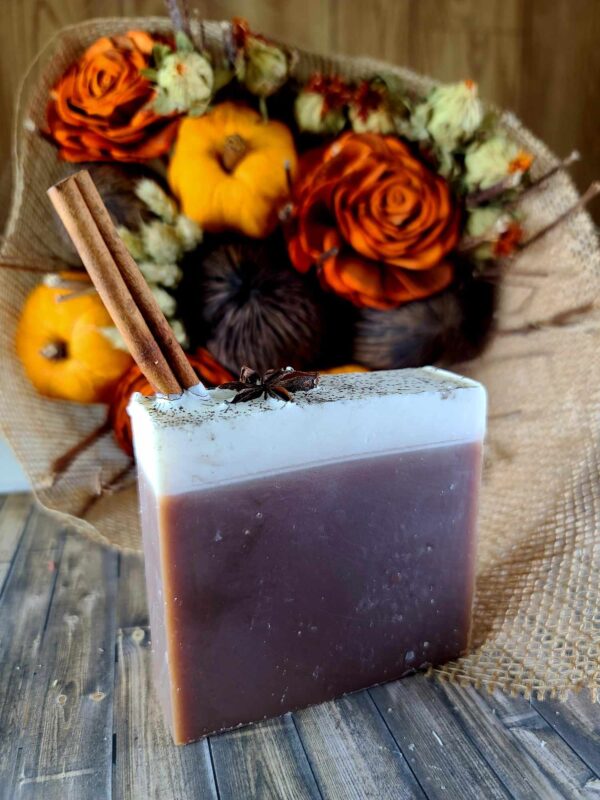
(343, 369)
(228, 169)
(61, 347)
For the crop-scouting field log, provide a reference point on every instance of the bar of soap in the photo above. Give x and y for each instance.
(298, 551)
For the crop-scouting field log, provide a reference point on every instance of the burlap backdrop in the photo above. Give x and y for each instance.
(537, 618)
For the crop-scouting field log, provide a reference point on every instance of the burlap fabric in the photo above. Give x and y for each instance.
(537, 617)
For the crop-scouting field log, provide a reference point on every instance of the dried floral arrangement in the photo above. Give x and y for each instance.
(329, 224)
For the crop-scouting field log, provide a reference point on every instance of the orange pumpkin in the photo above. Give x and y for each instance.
(229, 169)
(343, 369)
(61, 346)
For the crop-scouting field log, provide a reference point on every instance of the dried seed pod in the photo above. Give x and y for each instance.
(249, 306)
(444, 329)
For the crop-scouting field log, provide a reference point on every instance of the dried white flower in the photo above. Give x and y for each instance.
(166, 302)
(179, 331)
(188, 231)
(157, 200)
(161, 242)
(133, 242)
(168, 275)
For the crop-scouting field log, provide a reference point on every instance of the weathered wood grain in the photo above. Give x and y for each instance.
(24, 606)
(444, 760)
(132, 608)
(264, 761)
(67, 737)
(13, 515)
(529, 757)
(577, 721)
(147, 763)
(352, 752)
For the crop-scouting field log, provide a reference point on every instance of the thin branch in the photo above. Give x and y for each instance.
(64, 461)
(180, 15)
(586, 197)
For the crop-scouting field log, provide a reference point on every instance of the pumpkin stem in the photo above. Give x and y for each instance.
(54, 351)
(234, 149)
(262, 106)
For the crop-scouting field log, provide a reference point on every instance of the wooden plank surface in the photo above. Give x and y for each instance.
(132, 609)
(147, 764)
(352, 752)
(521, 747)
(265, 760)
(79, 718)
(67, 741)
(445, 761)
(577, 722)
(24, 607)
(539, 58)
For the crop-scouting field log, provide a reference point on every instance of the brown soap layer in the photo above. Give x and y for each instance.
(285, 591)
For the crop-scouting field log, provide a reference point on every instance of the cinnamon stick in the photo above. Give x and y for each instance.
(106, 276)
(135, 282)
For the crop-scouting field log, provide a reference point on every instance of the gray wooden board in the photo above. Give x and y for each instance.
(68, 608)
(147, 763)
(525, 752)
(263, 761)
(577, 722)
(68, 739)
(445, 761)
(24, 606)
(352, 752)
(132, 608)
(13, 515)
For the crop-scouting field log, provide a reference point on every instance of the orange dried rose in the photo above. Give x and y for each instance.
(376, 221)
(208, 369)
(100, 108)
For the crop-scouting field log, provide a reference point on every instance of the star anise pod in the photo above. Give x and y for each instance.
(277, 383)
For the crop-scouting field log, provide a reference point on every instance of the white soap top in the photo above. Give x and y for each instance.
(197, 441)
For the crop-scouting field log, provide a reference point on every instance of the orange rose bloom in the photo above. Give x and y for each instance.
(375, 220)
(99, 109)
(208, 369)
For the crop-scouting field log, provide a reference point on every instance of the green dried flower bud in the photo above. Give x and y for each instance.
(495, 160)
(487, 224)
(484, 221)
(377, 121)
(184, 84)
(262, 67)
(450, 115)
(309, 110)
